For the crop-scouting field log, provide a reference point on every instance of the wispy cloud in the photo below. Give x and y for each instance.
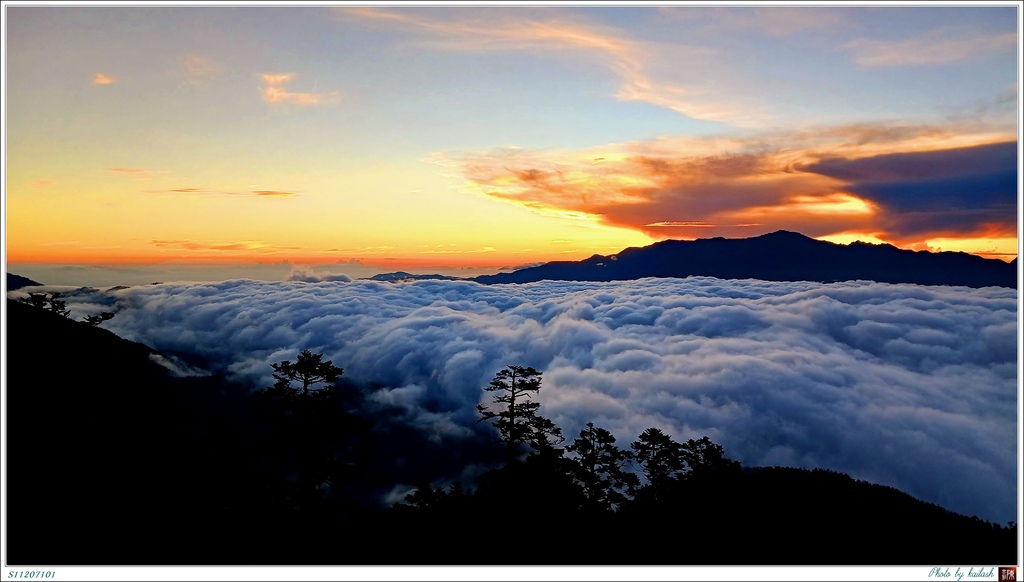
(457, 251)
(138, 173)
(626, 57)
(210, 191)
(367, 250)
(199, 69)
(773, 21)
(275, 93)
(43, 183)
(937, 47)
(276, 78)
(101, 79)
(245, 246)
(274, 193)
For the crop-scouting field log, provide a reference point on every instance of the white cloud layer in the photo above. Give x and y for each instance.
(909, 386)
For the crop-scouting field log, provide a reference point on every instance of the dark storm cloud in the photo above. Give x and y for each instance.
(909, 386)
(985, 159)
(960, 190)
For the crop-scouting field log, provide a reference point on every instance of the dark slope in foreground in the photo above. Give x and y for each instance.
(760, 516)
(779, 256)
(797, 516)
(110, 461)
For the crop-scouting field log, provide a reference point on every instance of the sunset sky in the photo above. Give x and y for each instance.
(428, 137)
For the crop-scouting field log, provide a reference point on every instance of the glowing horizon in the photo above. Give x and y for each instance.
(491, 137)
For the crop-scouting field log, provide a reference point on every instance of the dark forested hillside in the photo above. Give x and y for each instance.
(113, 461)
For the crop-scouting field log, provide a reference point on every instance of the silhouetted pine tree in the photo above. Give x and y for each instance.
(516, 416)
(660, 458)
(599, 467)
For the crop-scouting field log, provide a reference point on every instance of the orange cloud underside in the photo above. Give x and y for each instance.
(832, 204)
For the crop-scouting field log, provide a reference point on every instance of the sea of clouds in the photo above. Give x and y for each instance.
(909, 386)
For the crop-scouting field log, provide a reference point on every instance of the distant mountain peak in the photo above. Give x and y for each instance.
(403, 277)
(17, 282)
(784, 234)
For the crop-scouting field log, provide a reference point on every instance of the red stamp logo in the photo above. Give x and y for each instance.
(1008, 574)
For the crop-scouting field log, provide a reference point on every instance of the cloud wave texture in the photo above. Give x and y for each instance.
(909, 386)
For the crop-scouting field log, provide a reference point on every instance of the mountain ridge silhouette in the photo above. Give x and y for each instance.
(778, 256)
